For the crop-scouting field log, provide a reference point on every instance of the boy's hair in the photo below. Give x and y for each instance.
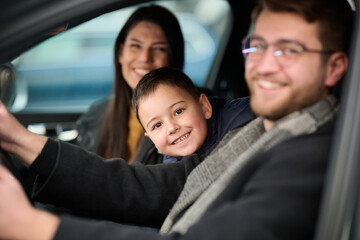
(164, 75)
(335, 18)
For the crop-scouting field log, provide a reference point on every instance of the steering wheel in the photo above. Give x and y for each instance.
(6, 160)
(7, 95)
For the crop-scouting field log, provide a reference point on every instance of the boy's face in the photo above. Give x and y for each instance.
(174, 120)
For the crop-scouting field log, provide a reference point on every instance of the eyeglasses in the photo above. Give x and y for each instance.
(286, 52)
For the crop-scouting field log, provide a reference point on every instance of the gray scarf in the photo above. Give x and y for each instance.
(207, 181)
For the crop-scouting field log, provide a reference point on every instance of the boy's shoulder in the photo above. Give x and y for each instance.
(220, 104)
(243, 102)
(228, 114)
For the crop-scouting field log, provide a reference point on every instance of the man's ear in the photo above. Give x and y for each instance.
(337, 66)
(205, 106)
(146, 135)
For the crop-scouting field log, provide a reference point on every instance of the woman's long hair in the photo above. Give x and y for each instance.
(113, 133)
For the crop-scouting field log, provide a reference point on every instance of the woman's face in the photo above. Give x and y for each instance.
(145, 49)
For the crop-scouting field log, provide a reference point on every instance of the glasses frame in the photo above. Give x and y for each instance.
(277, 52)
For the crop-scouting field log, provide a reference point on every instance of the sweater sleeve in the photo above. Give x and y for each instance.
(72, 178)
(46, 160)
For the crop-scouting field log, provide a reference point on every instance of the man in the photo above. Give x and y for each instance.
(262, 181)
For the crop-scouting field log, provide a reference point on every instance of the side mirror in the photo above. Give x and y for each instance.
(7, 84)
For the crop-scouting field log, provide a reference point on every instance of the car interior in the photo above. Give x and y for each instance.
(58, 79)
(47, 86)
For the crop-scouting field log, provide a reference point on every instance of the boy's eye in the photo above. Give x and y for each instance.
(179, 111)
(157, 125)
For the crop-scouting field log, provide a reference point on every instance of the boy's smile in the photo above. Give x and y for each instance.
(181, 139)
(174, 120)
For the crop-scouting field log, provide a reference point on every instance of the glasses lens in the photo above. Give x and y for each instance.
(287, 52)
(253, 48)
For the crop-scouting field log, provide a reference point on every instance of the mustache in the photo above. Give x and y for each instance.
(269, 77)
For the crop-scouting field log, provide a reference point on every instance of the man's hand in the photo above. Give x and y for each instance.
(16, 139)
(18, 218)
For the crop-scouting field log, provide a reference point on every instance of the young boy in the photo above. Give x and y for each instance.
(179, 119)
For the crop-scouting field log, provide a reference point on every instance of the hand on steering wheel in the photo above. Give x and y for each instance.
(6, 160)
(15, 207)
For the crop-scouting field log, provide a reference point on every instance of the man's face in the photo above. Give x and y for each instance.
(174, 120)
(279, 90)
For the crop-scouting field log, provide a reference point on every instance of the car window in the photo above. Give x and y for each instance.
(72, 70)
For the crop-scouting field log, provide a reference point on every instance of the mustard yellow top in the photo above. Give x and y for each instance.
(135, 132)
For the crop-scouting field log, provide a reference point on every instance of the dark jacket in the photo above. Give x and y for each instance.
(226, 116)
(275, 195)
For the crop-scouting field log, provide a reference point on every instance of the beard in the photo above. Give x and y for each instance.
(284, 100)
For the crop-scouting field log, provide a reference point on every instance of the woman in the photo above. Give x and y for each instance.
(151, 38)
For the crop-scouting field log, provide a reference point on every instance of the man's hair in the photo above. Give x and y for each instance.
(165, 75)
(335, 18)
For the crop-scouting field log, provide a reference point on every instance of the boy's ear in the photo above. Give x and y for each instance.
(205, 106)
(145, 134)
(337, 66)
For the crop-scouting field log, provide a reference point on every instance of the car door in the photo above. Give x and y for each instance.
(339, 211)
